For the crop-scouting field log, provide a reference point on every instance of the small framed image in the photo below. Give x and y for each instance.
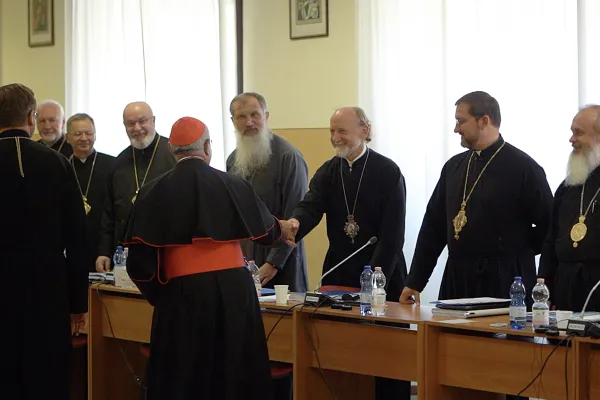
(309, 19)
(41, 23)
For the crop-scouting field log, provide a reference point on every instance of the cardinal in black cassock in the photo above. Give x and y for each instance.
(208, 339)
(507, 201)
(148, 157)
(92, 169)
(570, 262)
(41, 244)
(363, 194)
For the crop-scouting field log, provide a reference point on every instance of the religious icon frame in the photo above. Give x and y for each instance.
(309, 19)
(40, 23)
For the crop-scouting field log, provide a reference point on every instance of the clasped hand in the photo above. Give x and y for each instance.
(289, 229)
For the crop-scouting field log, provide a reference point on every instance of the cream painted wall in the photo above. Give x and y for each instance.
(302, 80)
(40, 68)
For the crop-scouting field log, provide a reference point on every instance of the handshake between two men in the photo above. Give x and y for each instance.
(289, 229)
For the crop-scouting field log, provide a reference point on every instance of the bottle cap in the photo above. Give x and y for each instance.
(119, 247)
(518, 278)
(367, 267)
(540, 280)
(377, 268)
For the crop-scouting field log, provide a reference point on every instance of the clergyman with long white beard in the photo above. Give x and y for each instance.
(148, 157)
(570, 261)
(279, 175)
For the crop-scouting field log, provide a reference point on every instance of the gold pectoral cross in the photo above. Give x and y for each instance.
(86, 205)
(460, 220)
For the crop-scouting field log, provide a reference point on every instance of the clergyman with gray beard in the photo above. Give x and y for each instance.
(279, 175)
(570, 261)
(145, 159)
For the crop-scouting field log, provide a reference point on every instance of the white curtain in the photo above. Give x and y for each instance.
(416, 58)
(177, 55)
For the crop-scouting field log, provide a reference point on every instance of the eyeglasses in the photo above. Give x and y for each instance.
(81, 133)
(131, 124)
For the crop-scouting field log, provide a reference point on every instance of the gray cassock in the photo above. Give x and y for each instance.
(281, 185)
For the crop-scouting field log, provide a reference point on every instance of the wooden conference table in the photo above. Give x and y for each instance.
(449, 358)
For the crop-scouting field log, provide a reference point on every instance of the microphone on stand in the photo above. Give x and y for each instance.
(582, 327)
(318, 299)
(370, 242)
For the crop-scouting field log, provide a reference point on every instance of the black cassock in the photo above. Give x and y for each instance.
(41, 243)
(96, 197)
(122, 188)
(380, 211)
(571, 272)
(508, 216)
(61, 145)
(208, 338)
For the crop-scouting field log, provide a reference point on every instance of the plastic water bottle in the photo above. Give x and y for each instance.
(122, 279)
(119, 257)
(378, 299)
(366, 290)
(253, 268)
(518, 310)
(540, 309)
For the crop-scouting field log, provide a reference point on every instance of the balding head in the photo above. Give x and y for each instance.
(350, 129)
(585, 140)
(138, 119)
(584, 127)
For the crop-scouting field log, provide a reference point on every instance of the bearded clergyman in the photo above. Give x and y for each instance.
(363, 194)
(278, 173)
(570, 260)
(147, 158)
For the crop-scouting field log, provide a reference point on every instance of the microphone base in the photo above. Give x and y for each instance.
(583, 328)
(318, 300)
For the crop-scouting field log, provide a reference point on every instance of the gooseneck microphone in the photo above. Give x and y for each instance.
(582, 327)
(370, 242)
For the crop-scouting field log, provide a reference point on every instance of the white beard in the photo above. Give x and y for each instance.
(345, 151)
(581, 165)
(252, 152)
(142, 143)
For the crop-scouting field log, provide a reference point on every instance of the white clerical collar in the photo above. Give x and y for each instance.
(362, 153)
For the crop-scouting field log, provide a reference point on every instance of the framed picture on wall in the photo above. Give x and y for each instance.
(309, 19)
(41, 23)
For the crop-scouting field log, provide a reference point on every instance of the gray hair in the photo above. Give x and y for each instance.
(260, 98)
(363, 120)
(54, 103)
(596, 108)
(79, 117)
(196, 145)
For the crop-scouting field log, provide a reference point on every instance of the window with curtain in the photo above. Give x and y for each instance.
(416, 58)
(179, 56)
